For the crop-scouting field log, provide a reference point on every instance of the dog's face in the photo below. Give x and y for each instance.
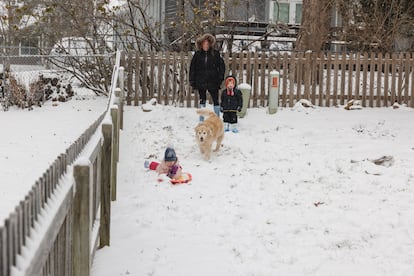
(202, 133)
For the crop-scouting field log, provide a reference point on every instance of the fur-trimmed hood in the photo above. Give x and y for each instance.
(231, 77)
(209, 37)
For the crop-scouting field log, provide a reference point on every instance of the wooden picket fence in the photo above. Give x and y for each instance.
(325, 79)
(65, 217)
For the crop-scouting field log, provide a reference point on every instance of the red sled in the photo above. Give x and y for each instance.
(184, 178)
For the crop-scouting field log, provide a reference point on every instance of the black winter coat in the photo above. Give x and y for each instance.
(231, 103)
(207, 70)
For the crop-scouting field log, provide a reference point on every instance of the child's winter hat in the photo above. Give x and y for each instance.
(170, 155)
(230, 79)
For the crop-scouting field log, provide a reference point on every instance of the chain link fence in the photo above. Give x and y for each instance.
(22, 70)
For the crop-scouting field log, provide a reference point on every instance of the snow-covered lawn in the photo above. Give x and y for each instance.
(31, 140)
(294, 193)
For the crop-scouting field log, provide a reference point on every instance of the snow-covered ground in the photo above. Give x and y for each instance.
(294, 193)
(31, 140)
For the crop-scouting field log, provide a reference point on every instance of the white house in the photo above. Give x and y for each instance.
(164, 13)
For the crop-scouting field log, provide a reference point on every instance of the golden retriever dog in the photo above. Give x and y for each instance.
(212, 129)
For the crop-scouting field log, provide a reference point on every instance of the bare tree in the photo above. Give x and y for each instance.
(134, 27)
(377, 25)
(78, 22)
(194, 19)
(382, 25)
(315, 27)
(11, 22)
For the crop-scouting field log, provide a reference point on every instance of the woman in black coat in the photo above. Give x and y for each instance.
(207, 71)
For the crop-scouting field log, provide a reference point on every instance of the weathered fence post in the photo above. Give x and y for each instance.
(119, 92)
(9, 242)
(137, 78)
(105, 222)
(81, 221)
(120, 104)
(189, 89)
(129, 79)
(412, 84)
(115, 147)
(117, 126)
(3, 252)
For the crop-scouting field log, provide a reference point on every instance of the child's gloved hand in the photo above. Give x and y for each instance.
(239, 109)
(173, 170)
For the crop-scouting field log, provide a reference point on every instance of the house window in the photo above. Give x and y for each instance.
(286, 11)
(29, 47)
(298, 14)
(281, 12)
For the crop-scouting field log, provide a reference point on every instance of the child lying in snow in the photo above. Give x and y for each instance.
(168, 166)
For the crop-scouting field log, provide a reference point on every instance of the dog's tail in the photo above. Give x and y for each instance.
(206, 112)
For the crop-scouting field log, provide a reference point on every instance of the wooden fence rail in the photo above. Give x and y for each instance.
(65, 217)
(325, 79)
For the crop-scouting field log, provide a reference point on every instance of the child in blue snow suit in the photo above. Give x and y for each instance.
(168, 166)
(231, 103)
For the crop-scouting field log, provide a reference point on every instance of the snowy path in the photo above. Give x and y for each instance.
(292, 194)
